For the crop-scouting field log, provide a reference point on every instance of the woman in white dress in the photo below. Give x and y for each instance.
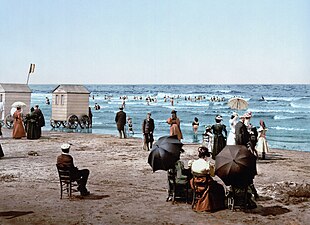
(232, 135)
(262, 145)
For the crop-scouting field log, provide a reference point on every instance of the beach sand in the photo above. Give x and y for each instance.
(124, 190)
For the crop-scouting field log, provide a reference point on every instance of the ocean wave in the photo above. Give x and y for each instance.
(286, 99)
(282, 117)
(288, 128)
(299, 105)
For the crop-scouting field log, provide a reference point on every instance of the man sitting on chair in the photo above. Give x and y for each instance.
(66, 161)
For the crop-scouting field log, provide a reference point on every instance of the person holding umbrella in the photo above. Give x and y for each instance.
(219, 139)
(18, 127)
(231, 139)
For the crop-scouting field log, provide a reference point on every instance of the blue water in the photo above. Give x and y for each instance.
(285, 109)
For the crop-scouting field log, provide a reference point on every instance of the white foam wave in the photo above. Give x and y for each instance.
(299, 105)
(282, 117)
(288, 128)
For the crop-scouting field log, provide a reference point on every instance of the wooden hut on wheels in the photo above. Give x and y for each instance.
(70, 106)
(10, 93)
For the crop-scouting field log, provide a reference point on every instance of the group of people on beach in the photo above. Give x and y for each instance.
(216, 137)
(28, 126)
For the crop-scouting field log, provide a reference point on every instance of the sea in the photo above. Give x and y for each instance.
(285, 109)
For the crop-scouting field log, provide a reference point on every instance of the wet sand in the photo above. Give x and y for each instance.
(124, 190)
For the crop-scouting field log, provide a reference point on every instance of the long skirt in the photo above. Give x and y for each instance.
(213, 197)
(18, 129)
(231, 139)
(218, 145)
(262, 145)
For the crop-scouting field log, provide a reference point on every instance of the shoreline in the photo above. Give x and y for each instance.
(7, 133)
(124, 190)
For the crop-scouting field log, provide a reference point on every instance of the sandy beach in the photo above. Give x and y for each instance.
(124, 190)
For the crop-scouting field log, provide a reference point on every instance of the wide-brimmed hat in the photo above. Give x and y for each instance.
(173, 111)
(218, 117)
(65, 146)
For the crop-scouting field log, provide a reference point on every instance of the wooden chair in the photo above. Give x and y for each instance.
(66, 181)
(177, 188)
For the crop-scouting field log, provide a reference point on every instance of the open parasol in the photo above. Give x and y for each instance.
(165, 153)
(237, 103)
(235, 165)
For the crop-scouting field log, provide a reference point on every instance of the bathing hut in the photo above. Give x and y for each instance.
(70, 106)
(10, 93)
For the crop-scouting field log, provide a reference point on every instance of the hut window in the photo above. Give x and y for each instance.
(56, 100)
(62, 99)
(1, 100)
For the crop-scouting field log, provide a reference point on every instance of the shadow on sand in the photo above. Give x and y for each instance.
(14, 214)
(271, 210)
(90, 197)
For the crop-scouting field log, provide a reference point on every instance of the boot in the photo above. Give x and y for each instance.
(263, 155)
(253, 189)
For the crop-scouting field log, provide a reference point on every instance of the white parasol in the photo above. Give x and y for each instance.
(19, 104)
(237, 103)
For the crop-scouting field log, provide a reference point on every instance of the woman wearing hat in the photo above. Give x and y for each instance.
(219, 139)
(212, 193)
(232, 135)
(175, 129)
(262, 145)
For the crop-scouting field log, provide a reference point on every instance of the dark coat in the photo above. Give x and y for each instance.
(219, 138)
(32, 126)
(148, 126)
(120, 120)
(242, 134)
(41, 119)
(66, 161)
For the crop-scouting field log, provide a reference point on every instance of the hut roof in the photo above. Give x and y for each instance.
(71, 88)
(14, 88)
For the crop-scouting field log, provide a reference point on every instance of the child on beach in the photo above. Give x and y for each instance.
(130, 128)
(207, 138)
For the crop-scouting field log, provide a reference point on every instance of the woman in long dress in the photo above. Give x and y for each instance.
(231, 139)
(262, 145)
(18, 127)
(33, 128)
(212, 193)
(219, 136)
(174, 122)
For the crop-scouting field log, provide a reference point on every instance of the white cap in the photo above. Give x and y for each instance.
(65, 146)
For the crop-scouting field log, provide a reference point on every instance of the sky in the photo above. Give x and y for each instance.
(155, 41)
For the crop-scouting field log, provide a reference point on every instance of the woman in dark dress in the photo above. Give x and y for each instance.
(219, 139)
(32, 125)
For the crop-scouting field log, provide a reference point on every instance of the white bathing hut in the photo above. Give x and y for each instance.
(10, 93)
(70, 106)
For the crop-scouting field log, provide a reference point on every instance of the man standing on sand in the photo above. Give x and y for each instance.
(41, 120)
(241, 131)
(81, 176)
(120, 120)
(148, 127)
(243, 138)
